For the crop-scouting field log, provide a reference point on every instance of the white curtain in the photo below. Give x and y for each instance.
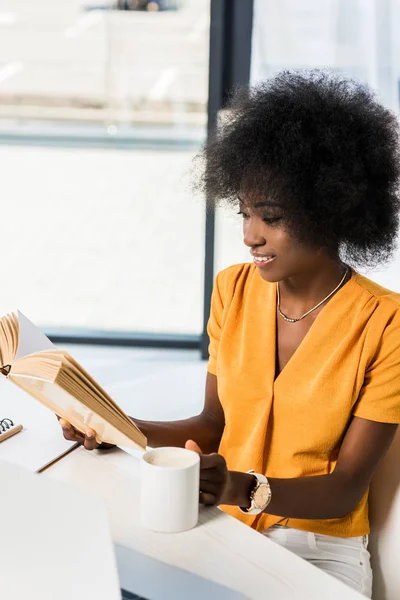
(358, 37)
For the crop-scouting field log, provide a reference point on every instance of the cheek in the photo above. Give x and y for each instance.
(279, 239)
(287, 247)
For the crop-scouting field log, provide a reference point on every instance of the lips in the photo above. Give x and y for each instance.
(261, 257)
(261, 260)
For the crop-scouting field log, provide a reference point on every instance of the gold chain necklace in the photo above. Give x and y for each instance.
(289, 320)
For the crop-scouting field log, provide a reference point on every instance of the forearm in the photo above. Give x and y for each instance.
(176, 433)
(317, 497)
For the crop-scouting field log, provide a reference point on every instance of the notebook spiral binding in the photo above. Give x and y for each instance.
(5, 425)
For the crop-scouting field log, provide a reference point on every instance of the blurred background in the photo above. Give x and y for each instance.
(103, 107)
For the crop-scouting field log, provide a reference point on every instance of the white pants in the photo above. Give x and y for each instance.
(346, 559)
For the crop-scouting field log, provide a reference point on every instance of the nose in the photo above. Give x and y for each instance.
(252, 232)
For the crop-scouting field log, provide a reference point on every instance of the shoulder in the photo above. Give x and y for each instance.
(383, 306)
(384, 297)
(236, 279)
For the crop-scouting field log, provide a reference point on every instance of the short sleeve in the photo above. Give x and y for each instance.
(379, 399)
(214, 326)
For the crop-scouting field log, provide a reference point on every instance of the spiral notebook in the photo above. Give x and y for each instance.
(31, 448)
(8, 428)
(40, 441)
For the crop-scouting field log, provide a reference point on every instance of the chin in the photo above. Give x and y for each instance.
(269, 275)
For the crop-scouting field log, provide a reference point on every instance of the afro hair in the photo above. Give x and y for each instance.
(321, 146)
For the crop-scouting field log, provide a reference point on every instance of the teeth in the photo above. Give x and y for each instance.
(263, 258)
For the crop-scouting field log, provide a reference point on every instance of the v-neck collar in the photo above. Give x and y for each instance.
(317, 327)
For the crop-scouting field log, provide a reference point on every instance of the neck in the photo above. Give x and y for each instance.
(300, 292)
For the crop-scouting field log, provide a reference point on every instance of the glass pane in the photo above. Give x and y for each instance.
(81, 62)
(108, 109)
(229, 246)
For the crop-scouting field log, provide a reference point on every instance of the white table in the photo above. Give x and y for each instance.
(220, 548)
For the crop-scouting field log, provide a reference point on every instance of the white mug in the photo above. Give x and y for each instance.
(169, 489)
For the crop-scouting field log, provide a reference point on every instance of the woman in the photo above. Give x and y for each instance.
(303, 383)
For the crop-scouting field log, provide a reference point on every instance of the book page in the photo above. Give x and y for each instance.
(80, 416)
(9, 335)
(31, 339)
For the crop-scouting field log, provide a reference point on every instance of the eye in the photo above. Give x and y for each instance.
(272, 220)
(243, 214)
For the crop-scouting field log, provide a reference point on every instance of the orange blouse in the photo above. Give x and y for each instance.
(347, 364)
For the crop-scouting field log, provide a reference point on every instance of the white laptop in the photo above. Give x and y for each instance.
(55, 541)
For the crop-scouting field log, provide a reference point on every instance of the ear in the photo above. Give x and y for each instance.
(191, 445)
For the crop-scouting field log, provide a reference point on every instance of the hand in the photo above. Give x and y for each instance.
(214, 476)
(218, 485)
(88, 439)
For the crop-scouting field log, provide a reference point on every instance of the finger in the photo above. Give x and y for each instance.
(64, 423)
(105, 446)
(90, 442)
(207, 499)
(210, 487)
(72, 434)
(212, 475)
(212, 461)
(191, 445)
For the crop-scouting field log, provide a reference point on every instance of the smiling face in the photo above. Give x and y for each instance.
(276, 252)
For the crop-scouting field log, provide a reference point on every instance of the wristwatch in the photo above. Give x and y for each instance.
(260, 496)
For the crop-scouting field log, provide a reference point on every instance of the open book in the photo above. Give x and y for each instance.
(33, 363)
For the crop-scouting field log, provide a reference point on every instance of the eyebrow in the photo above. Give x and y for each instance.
(262, 204)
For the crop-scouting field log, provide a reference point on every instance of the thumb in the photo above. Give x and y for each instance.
(191, 445)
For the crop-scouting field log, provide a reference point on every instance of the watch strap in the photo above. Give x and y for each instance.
(260, 480)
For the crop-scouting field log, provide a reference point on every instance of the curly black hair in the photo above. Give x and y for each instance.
(322, 146)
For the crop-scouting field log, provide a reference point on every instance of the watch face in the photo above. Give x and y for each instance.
(261, 495)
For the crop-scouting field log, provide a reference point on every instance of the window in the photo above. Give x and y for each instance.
(101, 113)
